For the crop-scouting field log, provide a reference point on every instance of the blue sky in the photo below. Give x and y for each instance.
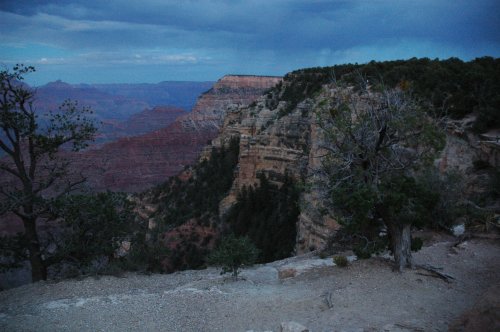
(97, 41)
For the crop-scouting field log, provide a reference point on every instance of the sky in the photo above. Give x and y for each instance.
(148, 41)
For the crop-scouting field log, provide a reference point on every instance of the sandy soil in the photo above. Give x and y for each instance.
(366, 296)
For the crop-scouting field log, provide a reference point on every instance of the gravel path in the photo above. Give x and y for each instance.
(366, 296)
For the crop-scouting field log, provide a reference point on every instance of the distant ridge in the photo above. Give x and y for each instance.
(245, 75)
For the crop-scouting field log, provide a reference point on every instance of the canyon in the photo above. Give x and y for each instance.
(118, 102)
(136, 163)
(275, 121)
(279, 141)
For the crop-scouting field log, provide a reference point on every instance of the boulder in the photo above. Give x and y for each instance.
(293, 327)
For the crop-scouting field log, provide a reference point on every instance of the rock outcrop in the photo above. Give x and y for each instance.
(137, 163)
(277, 142)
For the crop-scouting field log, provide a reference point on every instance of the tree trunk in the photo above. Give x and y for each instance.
(401, 245)
(38, 268)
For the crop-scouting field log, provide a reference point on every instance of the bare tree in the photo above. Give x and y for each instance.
(374, 143)
(32, 169)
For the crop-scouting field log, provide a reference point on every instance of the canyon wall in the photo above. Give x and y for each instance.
(137, 163)
(277, 142)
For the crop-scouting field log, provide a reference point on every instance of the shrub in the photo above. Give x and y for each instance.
(341, 261)
(268, 215)
(234, 253)
(92, 229)
(416, 244)
(323, 254)
(145, 257)
(361, 252)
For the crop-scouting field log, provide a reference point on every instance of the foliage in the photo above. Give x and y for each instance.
(371, 150)
(196, 197)
(34, 166)
(364, 247)
(199, 196)
(451, 86)
(12, 251)
(376, 143)
(233, 253)
(93, 227)
(267, 215)
(341, 261)
(145, 256)
(416, 243)
(441, 197)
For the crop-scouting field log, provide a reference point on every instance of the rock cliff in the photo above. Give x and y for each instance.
(137, 163)
(277, 142)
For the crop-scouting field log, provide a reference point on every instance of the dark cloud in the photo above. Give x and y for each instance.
(252, 35)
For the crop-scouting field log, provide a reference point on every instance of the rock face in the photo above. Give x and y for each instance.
(278, 142)
(136, 163)
(228, 92)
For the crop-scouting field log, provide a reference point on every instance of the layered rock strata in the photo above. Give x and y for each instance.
(276, 143)
(137, 163)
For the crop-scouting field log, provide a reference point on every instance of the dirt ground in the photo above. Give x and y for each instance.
(365, 296)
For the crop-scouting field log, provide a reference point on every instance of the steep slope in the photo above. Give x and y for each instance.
(280, 136)
(137, 163)
(275, 144)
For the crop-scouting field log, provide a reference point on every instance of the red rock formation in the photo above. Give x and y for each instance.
(137, 163)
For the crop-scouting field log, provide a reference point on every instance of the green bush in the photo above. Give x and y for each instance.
(416, 244)
(268, 216)
(93, 228)
(323, 254)
(145, 257)
(234, 253)
(361, 252)
(198, 197)
(452, 86)
(341, 261)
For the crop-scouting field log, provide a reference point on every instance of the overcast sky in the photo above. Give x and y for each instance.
(107, 41)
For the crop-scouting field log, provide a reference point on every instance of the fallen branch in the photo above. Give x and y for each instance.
(435, 272)
(329, 300)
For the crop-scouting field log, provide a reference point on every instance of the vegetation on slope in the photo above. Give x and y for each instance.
(453, 87)
(268, 215)
(198, 196)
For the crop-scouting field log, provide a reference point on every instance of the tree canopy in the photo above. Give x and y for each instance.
(33, 169)
(375, 142)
